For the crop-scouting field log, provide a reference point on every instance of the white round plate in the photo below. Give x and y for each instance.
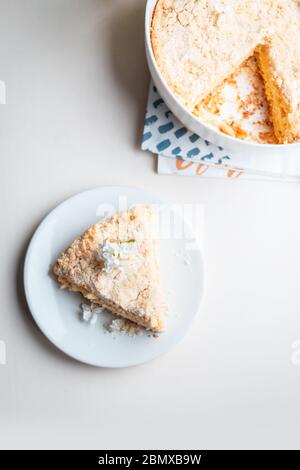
(57, 311)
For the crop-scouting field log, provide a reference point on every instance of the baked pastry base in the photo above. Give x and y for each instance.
(286, 124)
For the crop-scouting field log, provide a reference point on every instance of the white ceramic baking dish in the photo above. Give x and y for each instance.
(205, 130)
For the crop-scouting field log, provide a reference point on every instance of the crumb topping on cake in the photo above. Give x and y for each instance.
(198, 44)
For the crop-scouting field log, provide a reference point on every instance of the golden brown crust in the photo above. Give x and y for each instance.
(279, 62)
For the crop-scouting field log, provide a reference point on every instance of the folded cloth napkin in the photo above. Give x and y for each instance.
(182, 152)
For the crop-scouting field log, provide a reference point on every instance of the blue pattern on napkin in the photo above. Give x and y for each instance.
(164, 134)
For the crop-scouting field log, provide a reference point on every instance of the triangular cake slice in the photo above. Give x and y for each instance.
(115, 264)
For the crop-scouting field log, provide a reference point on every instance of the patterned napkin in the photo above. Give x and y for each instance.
(181, 152)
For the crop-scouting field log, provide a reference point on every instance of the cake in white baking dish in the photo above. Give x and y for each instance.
(199, 43)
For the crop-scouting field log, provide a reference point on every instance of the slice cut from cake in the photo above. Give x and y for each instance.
(279, 63)
(115, 264)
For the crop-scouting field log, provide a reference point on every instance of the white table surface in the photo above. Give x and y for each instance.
(76, 84)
